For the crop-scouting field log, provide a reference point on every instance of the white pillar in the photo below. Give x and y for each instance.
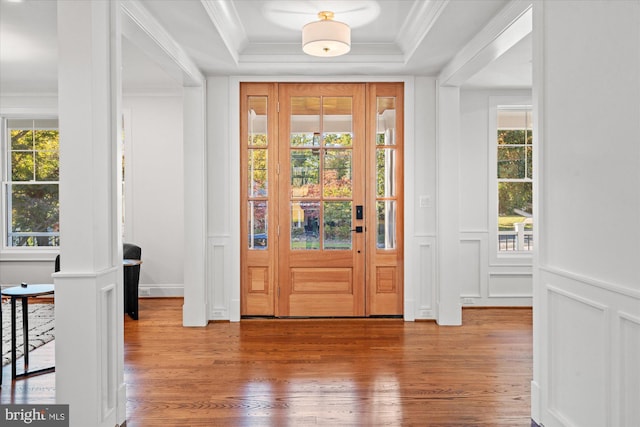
(194, 311)
(448, 153)
(88, 289)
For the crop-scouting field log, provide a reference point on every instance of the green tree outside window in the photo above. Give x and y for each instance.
(32, 201)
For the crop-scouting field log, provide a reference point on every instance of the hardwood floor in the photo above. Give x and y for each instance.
(332, 372)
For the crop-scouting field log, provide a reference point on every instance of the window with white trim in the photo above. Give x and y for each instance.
(514, 172)
(30, 176)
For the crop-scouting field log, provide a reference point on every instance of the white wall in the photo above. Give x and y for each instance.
(587, 276)
(154, 192)
(486, 280)
(28, 103)
(13, 272)
(223, 260)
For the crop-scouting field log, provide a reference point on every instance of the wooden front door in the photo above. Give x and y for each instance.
(321, 252)
(322, 199)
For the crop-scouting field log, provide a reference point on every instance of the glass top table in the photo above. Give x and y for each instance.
(23, 292)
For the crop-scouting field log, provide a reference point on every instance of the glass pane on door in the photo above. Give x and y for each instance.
(386, 172)
(257, 216)
(386, 229)
(305, 121)
(337, 121)
(257, 165)
(257, 121)
(337, 174)
(386, 121)
(305, 225)
(337, 225)
(305, 173)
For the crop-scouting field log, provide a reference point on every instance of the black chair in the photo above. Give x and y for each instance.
(131, 278)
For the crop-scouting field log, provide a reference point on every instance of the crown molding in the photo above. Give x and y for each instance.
(225, 18)
(421, 18)
(144, 31)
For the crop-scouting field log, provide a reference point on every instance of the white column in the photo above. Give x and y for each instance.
(194, 311)
(88, 289)
(448, 211)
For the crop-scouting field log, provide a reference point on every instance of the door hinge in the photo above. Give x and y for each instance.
(278, 231)
(278, 169)
(278, 292)
(278, 106)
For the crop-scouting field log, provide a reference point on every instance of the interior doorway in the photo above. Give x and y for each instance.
(322, 199)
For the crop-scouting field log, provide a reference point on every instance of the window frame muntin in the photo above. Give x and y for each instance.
(19, 253)
(497, 257)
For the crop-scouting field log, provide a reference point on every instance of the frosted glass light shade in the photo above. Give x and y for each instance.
(326, 38)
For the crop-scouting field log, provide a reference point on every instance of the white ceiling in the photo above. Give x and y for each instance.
(252, 37)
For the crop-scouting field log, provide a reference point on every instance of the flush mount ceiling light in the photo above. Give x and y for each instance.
(326, 37)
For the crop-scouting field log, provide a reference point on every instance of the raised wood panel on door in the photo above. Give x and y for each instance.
(321, 282)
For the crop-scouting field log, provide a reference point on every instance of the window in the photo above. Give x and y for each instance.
(30, 183)
(258, 173)
(514, 171)
(386, 154)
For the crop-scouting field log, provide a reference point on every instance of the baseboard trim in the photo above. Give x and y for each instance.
(163, 290)
(535, 401)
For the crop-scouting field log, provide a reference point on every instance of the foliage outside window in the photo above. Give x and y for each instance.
(258, 174)
(515, 179)
(321, 187)
(31, 183)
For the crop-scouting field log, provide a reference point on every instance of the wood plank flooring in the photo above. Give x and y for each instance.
(331, 372)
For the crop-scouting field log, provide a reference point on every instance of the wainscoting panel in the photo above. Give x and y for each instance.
(217, 272)
(589, 349)
(578, 358)
(487, 283)
(471, 268)
(108, 350)
(629, 374)
(510, 285)
(425, 248)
